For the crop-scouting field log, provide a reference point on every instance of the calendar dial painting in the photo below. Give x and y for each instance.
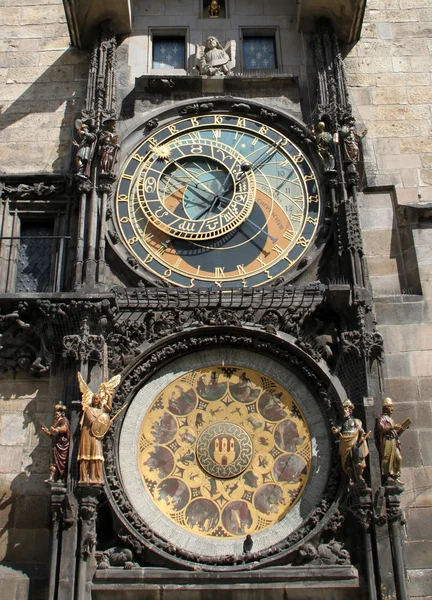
(224, 452)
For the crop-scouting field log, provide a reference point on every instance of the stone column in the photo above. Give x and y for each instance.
(395, 521)
(88, 498)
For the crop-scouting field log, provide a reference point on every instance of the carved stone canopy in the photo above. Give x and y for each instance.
(345, 15)
(84, 16)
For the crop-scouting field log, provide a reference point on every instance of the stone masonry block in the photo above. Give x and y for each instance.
(378, 242)
(10, 459)
(13, 430)
(380, 267)
(405, 338)
(420, 414)
(398, 129)
(404, 4)
(419, 524)
(395, 16)
(28, 545)
(14, 584)
(369, 65)
(421, 363)
(391, 95)
(402, 389)
(419, 583)
(380, 113)
(420, 95)
(31, 512)
(398, 365)
(425, 388)
(402, 161)
(36, 15)
(426, 446)
(377, 218)
(422, 478)
(384, 31)
(418, 554)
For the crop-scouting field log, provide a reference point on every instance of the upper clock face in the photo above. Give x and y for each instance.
(218, 200)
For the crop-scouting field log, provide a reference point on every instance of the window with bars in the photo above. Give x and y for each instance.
(169, 52)
(34, 261)
(259, 52)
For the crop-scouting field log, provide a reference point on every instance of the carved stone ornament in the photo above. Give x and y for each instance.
(215, 60)
(139, 535)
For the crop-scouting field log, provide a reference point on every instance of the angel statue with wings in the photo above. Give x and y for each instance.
(95, 422)
(213, 60)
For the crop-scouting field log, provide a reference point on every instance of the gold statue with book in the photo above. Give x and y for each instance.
(387, 434)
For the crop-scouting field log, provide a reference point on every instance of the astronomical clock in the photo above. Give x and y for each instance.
(218, 200)
(220, 441)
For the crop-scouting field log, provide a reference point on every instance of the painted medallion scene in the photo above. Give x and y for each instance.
(224, 452)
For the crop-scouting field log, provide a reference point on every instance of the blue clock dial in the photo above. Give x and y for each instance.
(218, 200)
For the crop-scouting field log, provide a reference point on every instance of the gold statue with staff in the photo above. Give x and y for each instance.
(95, 422)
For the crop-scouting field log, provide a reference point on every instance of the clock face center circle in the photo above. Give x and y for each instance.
(224, 450)
(210, 193)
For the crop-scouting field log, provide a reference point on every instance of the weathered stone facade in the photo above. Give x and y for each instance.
(389, 72)
(44, 86)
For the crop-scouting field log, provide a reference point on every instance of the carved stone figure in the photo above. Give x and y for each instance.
(325, 146)
(95, 422)
(387, 434)
(85, 148)
(116, 557)
(59, 432)
(214, 9)
(353, 447)
(213, 60)
(351, 139)
(108, 148)
(332, 553)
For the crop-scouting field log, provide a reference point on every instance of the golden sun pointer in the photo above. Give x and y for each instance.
(162, 152)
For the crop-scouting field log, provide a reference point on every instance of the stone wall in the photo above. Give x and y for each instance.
(42, 82)
(24, 464)
(389, 71)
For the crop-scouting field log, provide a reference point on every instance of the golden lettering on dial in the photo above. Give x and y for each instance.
(278, 249)
(187, 226)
